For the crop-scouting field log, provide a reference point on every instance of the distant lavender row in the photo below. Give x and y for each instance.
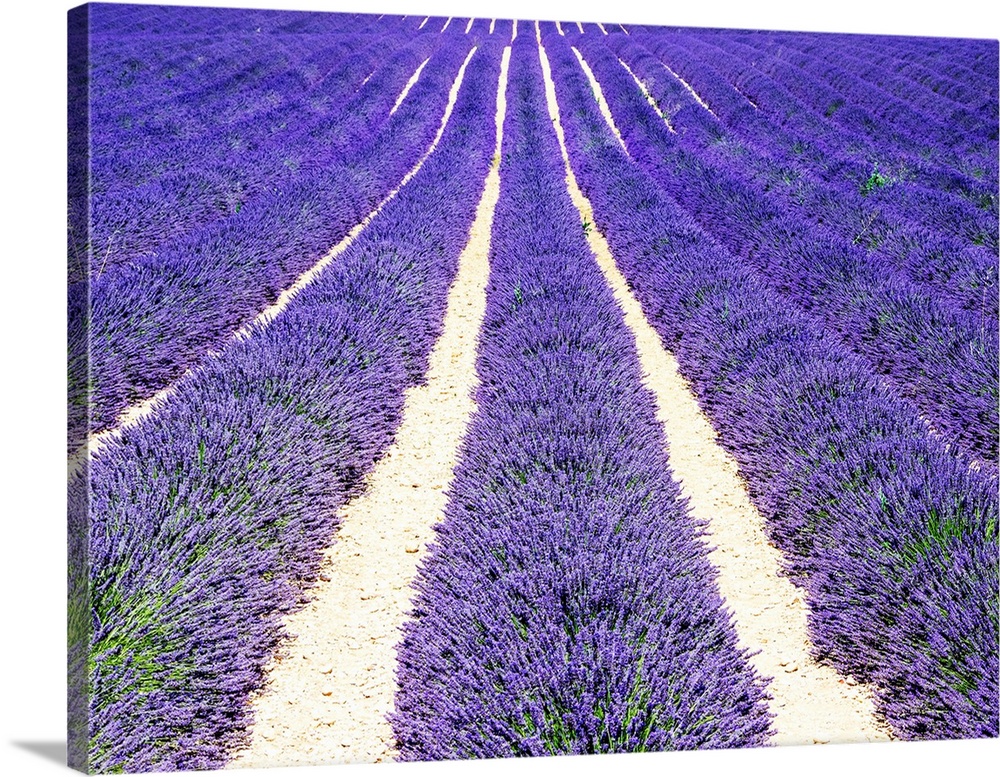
(952, 102)
(159, 137)
(207, 522)
(929, 237)
(943, 242)
(504, 28)
(808, 106)
(942, 64)
(156, 316)
(131, 20)
(894, 541)
(915, 122)
(137, 74)
(967, 216)
(135, 82)
(180, 67)
(546, 28)
(934, 354)
(183, 64)
(136, 78)
(229, 169)
(155, 129)
(837, 149)
(567, 605)
(811, 54)
(861, 111)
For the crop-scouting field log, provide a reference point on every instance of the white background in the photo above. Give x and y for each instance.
(33, 375)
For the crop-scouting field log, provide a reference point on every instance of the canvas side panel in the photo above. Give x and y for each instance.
(78, 368)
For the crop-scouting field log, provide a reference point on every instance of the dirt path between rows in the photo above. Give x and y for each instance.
(149, 406)
(333, 684)
(601, 102)
(812, 703)
(409, 85)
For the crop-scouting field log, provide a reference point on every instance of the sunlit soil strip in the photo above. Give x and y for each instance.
(149, 406)
(687, 86)
(602, 104)
(811, 702)
(328, 697)
(649, 98)
(469, 25)
(409, 85)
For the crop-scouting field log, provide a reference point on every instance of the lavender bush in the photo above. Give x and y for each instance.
(156, 316)
(930, 237)
(567, 605)
(935, 354)
(207, 521)
(893, 539)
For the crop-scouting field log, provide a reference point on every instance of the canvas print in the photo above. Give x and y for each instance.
(456, 388)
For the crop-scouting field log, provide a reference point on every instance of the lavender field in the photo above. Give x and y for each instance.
(451, 388)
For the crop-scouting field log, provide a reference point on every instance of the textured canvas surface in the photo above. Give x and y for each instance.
(468, 388)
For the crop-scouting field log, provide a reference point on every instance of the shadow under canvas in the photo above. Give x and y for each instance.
(49, 749)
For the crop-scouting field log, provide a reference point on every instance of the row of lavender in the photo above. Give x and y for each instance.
(162, 169)
(567, 605)
(183, 115)
(129, 20)
(207, 521)
(923, 190)
(283, 412)
(151, 318)
(158, 84)
(872, 99)
(893, 538)
(934, 352)
(176, 243)
(864, 192)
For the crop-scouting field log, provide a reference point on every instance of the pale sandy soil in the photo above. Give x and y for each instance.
(649, 97)
(811, 701)
(332, 685)
(687, 86)
(409, 85)
(602, 104)
(149, 406)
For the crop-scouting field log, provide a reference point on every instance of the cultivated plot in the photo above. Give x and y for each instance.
(459, 388)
